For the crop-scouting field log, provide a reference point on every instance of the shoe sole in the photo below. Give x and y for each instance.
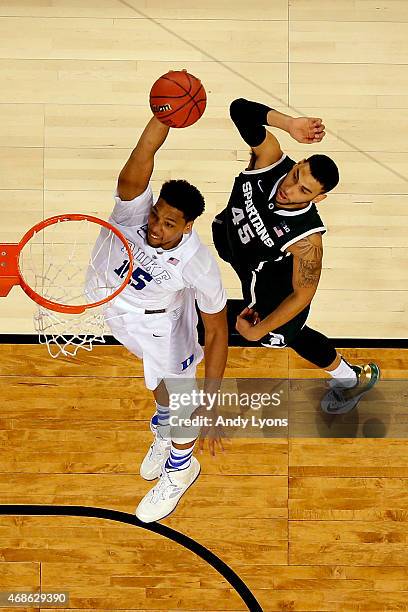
(171, 511)
(149, 479)
(357, 399)
(378, 374)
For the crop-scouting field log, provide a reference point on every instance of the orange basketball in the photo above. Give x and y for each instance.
(178, 99)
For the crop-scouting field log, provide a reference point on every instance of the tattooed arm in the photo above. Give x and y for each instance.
(307, 265)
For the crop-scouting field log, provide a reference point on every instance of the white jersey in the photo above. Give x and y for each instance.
(160, 277)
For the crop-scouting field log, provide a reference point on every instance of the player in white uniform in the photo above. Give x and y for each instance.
(155, 316)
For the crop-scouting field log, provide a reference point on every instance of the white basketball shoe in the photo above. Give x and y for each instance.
(155, 458)
(162, 499)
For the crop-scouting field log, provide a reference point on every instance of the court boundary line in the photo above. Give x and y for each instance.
(124, 517)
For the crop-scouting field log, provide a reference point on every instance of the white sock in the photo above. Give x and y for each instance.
(180, 458)
(160, 421)
(343, 375)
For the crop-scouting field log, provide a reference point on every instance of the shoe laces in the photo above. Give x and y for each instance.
(159, 447)
(165, 488)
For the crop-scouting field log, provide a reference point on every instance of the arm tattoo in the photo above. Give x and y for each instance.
(308, 273)
(309, 257)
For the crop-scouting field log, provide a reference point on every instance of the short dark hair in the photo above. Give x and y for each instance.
(183, 196)
(324, 170)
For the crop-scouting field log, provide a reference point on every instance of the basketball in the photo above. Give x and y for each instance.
(178, 99)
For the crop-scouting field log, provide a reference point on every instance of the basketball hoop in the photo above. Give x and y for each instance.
(67, 271)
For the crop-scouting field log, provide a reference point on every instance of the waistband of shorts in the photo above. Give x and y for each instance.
(137, 310)
(121, 308)
(112, 313)
(147, 311)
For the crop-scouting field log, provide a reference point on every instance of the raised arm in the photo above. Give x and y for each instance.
(250, 119)
(135, 175)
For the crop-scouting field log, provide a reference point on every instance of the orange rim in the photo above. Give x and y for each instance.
(78, 309)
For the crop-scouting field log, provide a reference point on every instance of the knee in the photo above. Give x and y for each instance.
(314, 347)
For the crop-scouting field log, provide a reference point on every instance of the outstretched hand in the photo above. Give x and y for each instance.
(307, 129)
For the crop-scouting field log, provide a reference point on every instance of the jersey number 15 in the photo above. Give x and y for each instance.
(139, 276)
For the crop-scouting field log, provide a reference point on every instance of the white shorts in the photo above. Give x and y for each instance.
(166, 342)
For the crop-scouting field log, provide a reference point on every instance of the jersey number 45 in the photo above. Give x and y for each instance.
(245, 232)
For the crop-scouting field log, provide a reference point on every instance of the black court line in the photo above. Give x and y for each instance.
(123, 517)
(234, 307)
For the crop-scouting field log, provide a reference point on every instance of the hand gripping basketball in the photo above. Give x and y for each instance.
(178, 99)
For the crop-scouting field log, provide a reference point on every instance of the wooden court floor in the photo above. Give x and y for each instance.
(308, 523)
(314, 523)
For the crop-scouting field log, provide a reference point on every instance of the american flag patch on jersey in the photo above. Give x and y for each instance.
(173, 261)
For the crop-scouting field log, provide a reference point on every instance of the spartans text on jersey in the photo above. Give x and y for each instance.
(245, 232)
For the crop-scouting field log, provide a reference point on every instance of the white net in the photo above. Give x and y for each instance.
(65, 334)
(70, 263)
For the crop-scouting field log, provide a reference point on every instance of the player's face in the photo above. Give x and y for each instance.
(166, 225)
(299, 186)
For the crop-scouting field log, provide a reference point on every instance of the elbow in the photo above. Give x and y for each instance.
(303, 298)
(217, 335)
(236, 109)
